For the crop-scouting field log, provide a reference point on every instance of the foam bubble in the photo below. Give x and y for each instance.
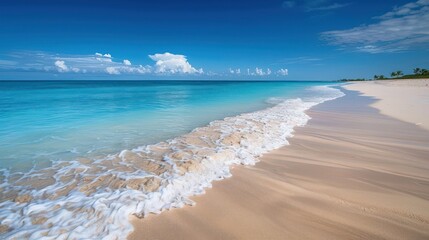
(93, 198)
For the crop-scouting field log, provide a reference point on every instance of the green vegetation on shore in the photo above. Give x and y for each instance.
(417, 74)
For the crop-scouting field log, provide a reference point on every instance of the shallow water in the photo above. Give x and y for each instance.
(66, 167)
(44, 121)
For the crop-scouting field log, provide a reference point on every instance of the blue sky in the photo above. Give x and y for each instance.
(223, 39)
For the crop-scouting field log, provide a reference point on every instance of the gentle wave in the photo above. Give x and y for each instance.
(93, 198)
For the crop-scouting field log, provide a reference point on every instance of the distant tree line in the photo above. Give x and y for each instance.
(421, 71)
(379, 77)
(418, 73)
(397, 74)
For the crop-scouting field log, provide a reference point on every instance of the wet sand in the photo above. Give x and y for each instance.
(350, 173)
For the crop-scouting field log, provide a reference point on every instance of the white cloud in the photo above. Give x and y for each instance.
(113, 70)
(106, 55)
(103, 57)
(407, 9)
(127, 69)
(173, 63)
(259, 72)
(76, 70)
(140, 69)
(95, 64)
(283, 72)
(235, 71)
(61, 66)
(402, 28)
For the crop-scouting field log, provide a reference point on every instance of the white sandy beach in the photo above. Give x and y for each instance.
(407, 100)
(358, 170)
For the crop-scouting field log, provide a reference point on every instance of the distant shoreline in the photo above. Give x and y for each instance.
(406, 77)
(402, 99)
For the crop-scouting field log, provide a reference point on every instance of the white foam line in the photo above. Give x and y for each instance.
(104, 214)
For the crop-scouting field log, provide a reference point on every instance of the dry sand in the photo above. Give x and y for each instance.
(351, 173)
(405, 99)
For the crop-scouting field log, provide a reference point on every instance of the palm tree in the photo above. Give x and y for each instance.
(378, 77)
(424, 72)
(417, 71)
(393, 74)
(399, 73)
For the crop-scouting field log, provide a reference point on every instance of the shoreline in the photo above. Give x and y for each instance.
(403, 99)
(150, 178)
(300, 192)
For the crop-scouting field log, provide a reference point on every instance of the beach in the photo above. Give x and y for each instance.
(73, 171)
(403, 99)
(208, 120)
(358, 170)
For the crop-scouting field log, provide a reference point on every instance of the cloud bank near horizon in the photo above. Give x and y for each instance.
(164, 64)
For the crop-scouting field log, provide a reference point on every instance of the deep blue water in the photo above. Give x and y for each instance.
(43, 121)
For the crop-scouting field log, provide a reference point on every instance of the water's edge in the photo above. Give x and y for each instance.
(93, 199)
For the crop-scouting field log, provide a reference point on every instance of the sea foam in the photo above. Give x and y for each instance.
(94, 198)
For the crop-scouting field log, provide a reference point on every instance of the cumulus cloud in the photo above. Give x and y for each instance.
(77, 64)
(128, 69)
(102, 63)
(112, 70)
(173, 63)
(235, 71)
(283, 72)
(96, 63)
(259, 72)
(402, 28)
(61, 66)
(103, 57)
(106, 55)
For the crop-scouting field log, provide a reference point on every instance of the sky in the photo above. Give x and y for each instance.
(211, 40)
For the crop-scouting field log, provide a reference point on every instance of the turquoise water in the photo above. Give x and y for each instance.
(78, 158)
(44, 121)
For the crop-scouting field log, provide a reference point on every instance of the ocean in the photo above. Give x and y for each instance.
(78, 157)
